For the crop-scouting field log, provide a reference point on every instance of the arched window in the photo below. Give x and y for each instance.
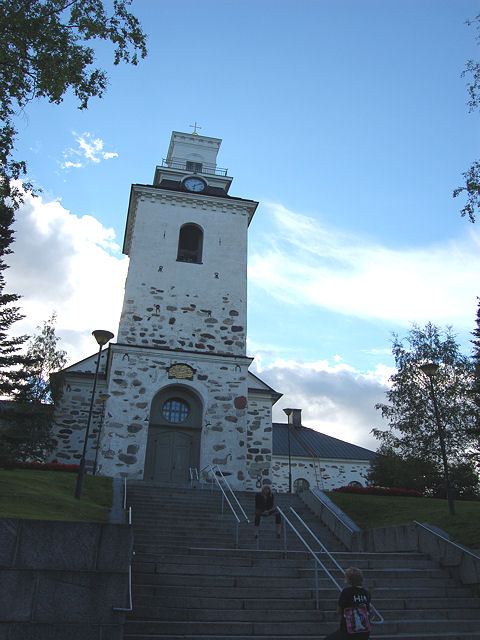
(190, 244)
(175, 410)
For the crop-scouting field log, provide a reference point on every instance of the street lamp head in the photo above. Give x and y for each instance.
(429, 369)
(102, 336)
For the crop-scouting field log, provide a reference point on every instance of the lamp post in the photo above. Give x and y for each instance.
(288, 412)
(103, 397)
(430, 370)
(102, 337)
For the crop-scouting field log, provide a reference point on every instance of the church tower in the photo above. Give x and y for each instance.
(187, 241)
(177, 378)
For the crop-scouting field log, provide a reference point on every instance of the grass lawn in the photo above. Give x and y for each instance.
(48, 495)
(370, 512)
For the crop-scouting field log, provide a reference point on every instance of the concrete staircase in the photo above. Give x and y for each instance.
(189, 582)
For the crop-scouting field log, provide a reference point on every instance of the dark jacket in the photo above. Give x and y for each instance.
(263, 503)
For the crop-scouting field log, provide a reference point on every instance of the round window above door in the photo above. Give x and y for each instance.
(175, 410)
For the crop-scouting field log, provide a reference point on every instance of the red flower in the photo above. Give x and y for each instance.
(381, 491)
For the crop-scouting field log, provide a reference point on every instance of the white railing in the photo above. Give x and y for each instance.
(380, 618)
(215, 476)
(454, 544)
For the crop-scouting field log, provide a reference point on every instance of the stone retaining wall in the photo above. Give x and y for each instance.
(62, 579)
(413, 537)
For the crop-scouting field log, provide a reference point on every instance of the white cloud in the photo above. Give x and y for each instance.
(69, 264)
(336, 400)
(304, 262)
(90, 148)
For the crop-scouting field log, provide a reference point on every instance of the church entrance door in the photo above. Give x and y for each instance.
(173, 444)
(168, 455)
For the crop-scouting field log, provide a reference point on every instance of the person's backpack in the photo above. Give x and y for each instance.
(357, 618)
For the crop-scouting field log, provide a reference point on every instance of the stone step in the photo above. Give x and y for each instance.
(378, 635)
(189, 582)
(450, 605)
(266, 581)
(295, 629)
(157, 612)
(221, 591)
(251, 559)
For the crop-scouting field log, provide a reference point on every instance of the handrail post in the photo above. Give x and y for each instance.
(284, 535)
(316, 585)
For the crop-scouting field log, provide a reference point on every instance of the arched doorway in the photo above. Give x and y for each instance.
(173, 444)
(301, 484)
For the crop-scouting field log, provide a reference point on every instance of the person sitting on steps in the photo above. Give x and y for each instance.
(264, 507)
(354, 607)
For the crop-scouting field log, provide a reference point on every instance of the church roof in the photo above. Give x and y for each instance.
(308, 443)
(256, 385)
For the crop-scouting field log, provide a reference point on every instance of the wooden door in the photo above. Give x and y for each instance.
(168, 455)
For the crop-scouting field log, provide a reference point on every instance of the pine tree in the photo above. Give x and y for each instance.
(12, 360)
(476, 370)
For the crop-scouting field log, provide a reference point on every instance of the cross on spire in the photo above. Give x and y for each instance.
(195, 127)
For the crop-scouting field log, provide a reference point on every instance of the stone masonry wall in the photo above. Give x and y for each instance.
(179, 305)
(71, 412)
(259, 441)
(335, 473)
(137, 375)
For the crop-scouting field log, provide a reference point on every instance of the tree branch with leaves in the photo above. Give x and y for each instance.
(45, 51)
(471, 186)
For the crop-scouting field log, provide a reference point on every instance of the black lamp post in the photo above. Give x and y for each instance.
(102, 337)
(103, 397)
(288, 412)
(430, 369)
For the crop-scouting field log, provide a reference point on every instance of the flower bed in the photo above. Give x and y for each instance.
(49, 466)
(381, 491)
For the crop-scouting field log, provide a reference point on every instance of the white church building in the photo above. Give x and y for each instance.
(174, 391)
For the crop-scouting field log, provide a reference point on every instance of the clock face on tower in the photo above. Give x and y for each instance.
(197, 185)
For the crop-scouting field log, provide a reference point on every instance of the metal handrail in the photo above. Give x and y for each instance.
(180, 163)
(193, 474)
(232, 492)
(308, 547)
(128, 609)
(313, 452)
(224, 496)
(439, 535)
(215, 477)
(324, 548)
(333, 512)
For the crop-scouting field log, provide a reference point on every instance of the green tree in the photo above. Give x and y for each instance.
(412, 430)
(12, 361)
(471, 186)
(46, 359)
(26, 420)
(45, 51)
(476, 370)
(388, 469)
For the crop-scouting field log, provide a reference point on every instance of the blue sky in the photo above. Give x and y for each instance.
(346, 120)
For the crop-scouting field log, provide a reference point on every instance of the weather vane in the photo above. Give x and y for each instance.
(195, 127)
